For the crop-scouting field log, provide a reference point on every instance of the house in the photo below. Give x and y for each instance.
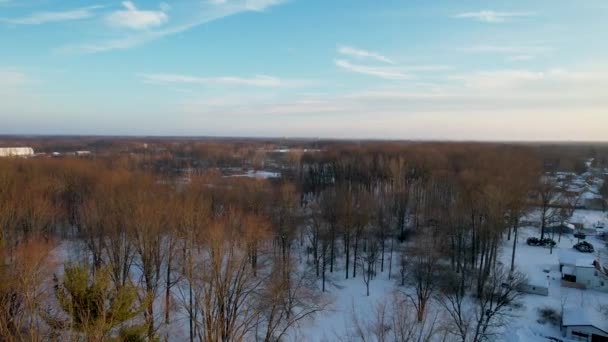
(16, 151)
(562, 227)
(582, 271)
(538, 286)
(584, 324)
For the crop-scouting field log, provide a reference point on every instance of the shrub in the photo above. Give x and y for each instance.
(533, 241)
(548, 242)
(549, 315)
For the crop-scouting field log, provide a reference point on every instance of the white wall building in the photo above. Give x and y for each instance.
(584, 324)
(16, 151)
(582, 270)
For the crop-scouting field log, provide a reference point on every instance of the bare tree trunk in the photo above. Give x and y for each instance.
(514, 245)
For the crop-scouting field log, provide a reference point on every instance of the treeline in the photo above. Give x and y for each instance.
(214, 252)
(232, 258)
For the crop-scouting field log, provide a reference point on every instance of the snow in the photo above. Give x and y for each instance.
(577, 316)
(533, 261)
(584, 263)
(349, 301)
(541, 266)
(259, 174)
(569, 270)
(572, 257)
(589, 218)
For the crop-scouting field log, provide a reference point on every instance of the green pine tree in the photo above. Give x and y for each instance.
(95, 307)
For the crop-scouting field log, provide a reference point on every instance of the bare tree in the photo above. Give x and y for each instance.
(424, 263)
(284, 304)
(392, 320)
(225, 292)
(547, 193)
(479, 319)
(369, 258)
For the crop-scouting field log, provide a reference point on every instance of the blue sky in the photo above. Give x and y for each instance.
(409, 69)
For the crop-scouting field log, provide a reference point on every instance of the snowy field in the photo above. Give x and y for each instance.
(349, 300)
(349, 296)
(533, 261)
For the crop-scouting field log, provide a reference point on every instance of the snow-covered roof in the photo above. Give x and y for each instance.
(573, 258)
(569, 270)
(584, 262)
(577, 316)
(567, 257)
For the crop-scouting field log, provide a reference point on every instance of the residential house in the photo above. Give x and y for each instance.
(584, 324)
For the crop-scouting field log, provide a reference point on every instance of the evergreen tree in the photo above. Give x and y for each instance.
(94, 306)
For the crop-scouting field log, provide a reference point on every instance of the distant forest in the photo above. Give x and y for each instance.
(120, 243)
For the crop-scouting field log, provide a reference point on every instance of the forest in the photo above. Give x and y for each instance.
(165, 240)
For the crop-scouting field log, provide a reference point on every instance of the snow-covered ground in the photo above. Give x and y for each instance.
(348, 302)
(349, 296)
(260, 174)
(533, 261)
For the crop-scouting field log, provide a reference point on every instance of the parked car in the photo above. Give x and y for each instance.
(584, 247)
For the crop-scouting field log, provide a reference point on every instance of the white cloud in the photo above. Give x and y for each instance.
(135, 19)
(381, 72)
(256, 81)
(520, 58)
(513, 53)
(488, 16)
(363, 54)
(508, 49)
(184, 17)
(12, 78)
(500, 78)
(389, 73)
(40, 18)
(260, 5)
(492, 90)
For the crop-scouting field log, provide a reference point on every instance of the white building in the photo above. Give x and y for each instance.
(16, 151)
(584, 324)
(582, 270)
(83, 153)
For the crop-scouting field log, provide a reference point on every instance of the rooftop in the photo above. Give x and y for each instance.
(577, 316)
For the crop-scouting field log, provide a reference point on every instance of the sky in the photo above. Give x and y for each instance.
(408, 69)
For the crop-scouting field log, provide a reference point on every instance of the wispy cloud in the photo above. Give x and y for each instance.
(11, 78)
(40, 18)
(363, 54)
(512, 53)
(185, 16)
(488, 16)
(381, 72)
(133, 18)
(520, 58)
(260, 5)
(507, 49)
(389, 72)
(256, 81)
(11, 81)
